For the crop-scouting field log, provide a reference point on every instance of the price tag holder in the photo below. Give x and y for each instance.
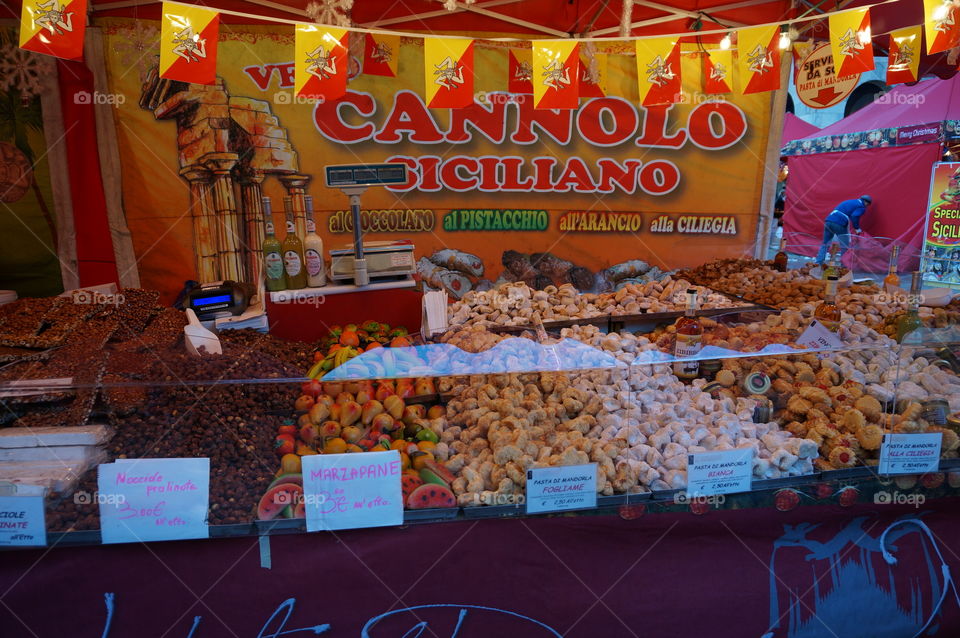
(817, 337)
(22, 522)
(560, 489)
(713, 473)
(347, 491)
(145, 500)
(910, 453)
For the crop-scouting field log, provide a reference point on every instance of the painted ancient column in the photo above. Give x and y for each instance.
(251, 199)
(229, 255)
(204, 223)
(296, 186)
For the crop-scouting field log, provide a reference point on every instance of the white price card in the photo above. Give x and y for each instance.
(21, 521)
(910, 453)
(345, 491)
(817, 337)
(726, 472)
(558, 489)
(153, 499)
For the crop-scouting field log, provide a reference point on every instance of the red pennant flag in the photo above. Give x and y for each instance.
(321, 62)
(758, 56)
(188, 43)
(593, 75)
(718, 72)
(658, 71)
(54, 28)
(448, 72)
(850, 42)
(942, 25)
(903, 64)
(381, 54)
(556, 74)
(520, 66)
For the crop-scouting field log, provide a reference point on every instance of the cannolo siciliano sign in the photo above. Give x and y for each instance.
(497, 176)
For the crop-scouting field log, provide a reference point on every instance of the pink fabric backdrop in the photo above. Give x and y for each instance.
(795, 128)
(898, 179)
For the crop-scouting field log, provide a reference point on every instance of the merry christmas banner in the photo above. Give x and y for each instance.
(529, 194)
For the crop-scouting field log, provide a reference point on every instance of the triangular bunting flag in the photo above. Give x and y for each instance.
(381, 54)
(448, 72)
(718, 72)
(321, 61)
(54, 28)
(593, 77)
(758, 59)
(188, 44)
(520, 68)
(941, 22)
(556, 74)
(903, 63)
(658, 71)
(850, 42)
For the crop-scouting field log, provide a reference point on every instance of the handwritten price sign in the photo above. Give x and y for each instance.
(724, 472)
(153, 499)
(345, 491)
(910, 453)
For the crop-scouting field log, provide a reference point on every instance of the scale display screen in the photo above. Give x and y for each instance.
(366, 175)
(207, 301)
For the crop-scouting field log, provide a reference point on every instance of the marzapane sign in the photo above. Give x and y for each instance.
(499, 180)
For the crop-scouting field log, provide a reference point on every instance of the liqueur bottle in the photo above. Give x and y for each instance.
(892, 280)
(910, 321)
(313, 250)
(780, 259)
(833, 265)
(272, 252)
(828, 312)
(293, 253)
(689, 339)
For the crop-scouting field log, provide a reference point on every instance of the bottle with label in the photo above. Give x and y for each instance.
(293, 253)
(892, 280)
(780, 259)
(272, 252)
(828, 312)
(833, 264)
(910, 321)
(313, 250)
(689, 339)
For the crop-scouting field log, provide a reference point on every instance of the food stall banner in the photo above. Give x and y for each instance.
(850, 42)
(940, 262)
(188, 44)
(53, 28)
(497, 190)
(759, 57)
(322, 61)
(903, 61)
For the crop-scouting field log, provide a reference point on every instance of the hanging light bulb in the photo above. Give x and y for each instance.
(784, 40)
(725, 43)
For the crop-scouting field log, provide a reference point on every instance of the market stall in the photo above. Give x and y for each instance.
(555, 367)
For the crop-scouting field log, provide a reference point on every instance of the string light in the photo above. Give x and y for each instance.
(725, 43)
(784, 40)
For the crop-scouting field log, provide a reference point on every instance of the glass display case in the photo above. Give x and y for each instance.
(515, 384)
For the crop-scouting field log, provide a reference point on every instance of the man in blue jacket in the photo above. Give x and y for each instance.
(847, 213)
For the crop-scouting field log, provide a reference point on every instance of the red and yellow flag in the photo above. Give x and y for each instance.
(381, 54)
(520, 67)
(941, 21)
(448, 72)
(188, 44)
(593, 77)
(54, 28)
(556, 74)
(718, 72)
(850, 42)
(758, 58)
(658, 71)
(321, 62)
(903, 63)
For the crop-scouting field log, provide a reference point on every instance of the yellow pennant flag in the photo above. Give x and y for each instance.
(941, 21)
(903, 63)
(448, 72)
(556, 74)
(758, 58)
(381, 54)
(54, 28)
(658, 71)
(850, 42)
(322, 61)
(188, 43)
(593, 75)
(718, 72)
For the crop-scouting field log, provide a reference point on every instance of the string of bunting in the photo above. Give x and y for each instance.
(556, 72)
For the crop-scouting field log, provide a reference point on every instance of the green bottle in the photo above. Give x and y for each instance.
(292, 246)
(910, 321)
(272, 255)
